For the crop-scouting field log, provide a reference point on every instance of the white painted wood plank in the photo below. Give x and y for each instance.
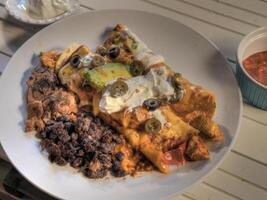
(203, 192)
(253, 6)
(256, 114)
(245, 169)
(235, 186)
(227, 41)
(227, 10)
(251, 140)
(207, 16)
(3, 62)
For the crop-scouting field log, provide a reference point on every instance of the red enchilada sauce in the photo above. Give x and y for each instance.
(256, 66)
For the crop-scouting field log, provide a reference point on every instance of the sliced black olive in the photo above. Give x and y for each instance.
(137, 68)
(151, 104)
(152, 125)
(118, 88)
(119, 156)
(98, 60)
(75, 61)
(113, 52)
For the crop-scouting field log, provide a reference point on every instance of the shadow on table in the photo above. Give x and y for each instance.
(14, 41)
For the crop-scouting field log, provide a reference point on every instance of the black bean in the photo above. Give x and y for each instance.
(60, 161)
(97, 174)
(80, 153)
(45, 143)
(41, 135)
(117, 139)
(107, 138)
(70, 127)
(97, 121)
(52, 136)
(76, 162)
(119, 156)
(119, 173)
(90, 147)
(116, 166)
(106, 147)
(81, 143)
(105, 159)
(74, 136)
(63, 119)
(54, 151)
(71, 158)
(64, 137)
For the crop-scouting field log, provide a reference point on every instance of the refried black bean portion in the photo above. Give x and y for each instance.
(86, 144)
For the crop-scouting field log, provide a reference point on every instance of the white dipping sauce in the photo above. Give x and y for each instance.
(45, 9)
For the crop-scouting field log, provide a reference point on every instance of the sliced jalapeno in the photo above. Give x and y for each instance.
(152, 125)
(118, 88)
(98, 61)
(176, 97)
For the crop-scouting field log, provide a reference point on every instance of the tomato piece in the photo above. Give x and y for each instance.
(176, 156)
(256, 66)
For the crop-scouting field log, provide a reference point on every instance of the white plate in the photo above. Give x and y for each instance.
(184, 49)
(17, 9)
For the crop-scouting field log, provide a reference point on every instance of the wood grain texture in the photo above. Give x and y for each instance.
(256, 7)
(245, 169)
(235, 186)
(256, 114)
(251, 140)
(229, 11)
(209, 17)
(203, 192)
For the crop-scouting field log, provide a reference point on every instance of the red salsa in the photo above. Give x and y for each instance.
(256, 66)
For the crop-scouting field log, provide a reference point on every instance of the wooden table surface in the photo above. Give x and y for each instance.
(243, 173)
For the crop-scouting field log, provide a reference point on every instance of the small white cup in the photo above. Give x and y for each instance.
(254, 92)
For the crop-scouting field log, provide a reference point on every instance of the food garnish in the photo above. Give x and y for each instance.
(152, 125)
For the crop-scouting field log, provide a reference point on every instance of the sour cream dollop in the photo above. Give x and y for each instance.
(154, 84)
(45, 9)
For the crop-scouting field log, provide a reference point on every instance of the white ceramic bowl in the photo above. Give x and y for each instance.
(16, 8)
(253, 91)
